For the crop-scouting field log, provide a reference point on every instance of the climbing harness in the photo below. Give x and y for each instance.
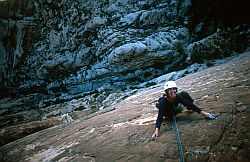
(174, 124)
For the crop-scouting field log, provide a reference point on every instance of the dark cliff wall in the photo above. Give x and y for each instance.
(79, 46)
(19, 32)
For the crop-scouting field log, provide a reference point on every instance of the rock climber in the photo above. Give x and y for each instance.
(168, 105)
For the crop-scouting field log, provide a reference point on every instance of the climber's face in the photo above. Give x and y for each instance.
(171, 92)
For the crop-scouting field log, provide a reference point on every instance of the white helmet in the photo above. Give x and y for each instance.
(170, 84)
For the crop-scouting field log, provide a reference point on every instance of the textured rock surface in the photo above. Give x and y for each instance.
(97, 47)
(124, 132)
(63, 60)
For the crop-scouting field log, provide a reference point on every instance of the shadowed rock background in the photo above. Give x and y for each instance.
(61, 60)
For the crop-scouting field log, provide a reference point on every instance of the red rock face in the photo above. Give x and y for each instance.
(124, 132)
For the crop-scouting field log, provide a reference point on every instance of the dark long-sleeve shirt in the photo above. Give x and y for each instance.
(166, 108)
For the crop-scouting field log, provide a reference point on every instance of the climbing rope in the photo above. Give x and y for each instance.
(178, 140)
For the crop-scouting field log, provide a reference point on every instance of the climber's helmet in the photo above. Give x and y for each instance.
(170, 84)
